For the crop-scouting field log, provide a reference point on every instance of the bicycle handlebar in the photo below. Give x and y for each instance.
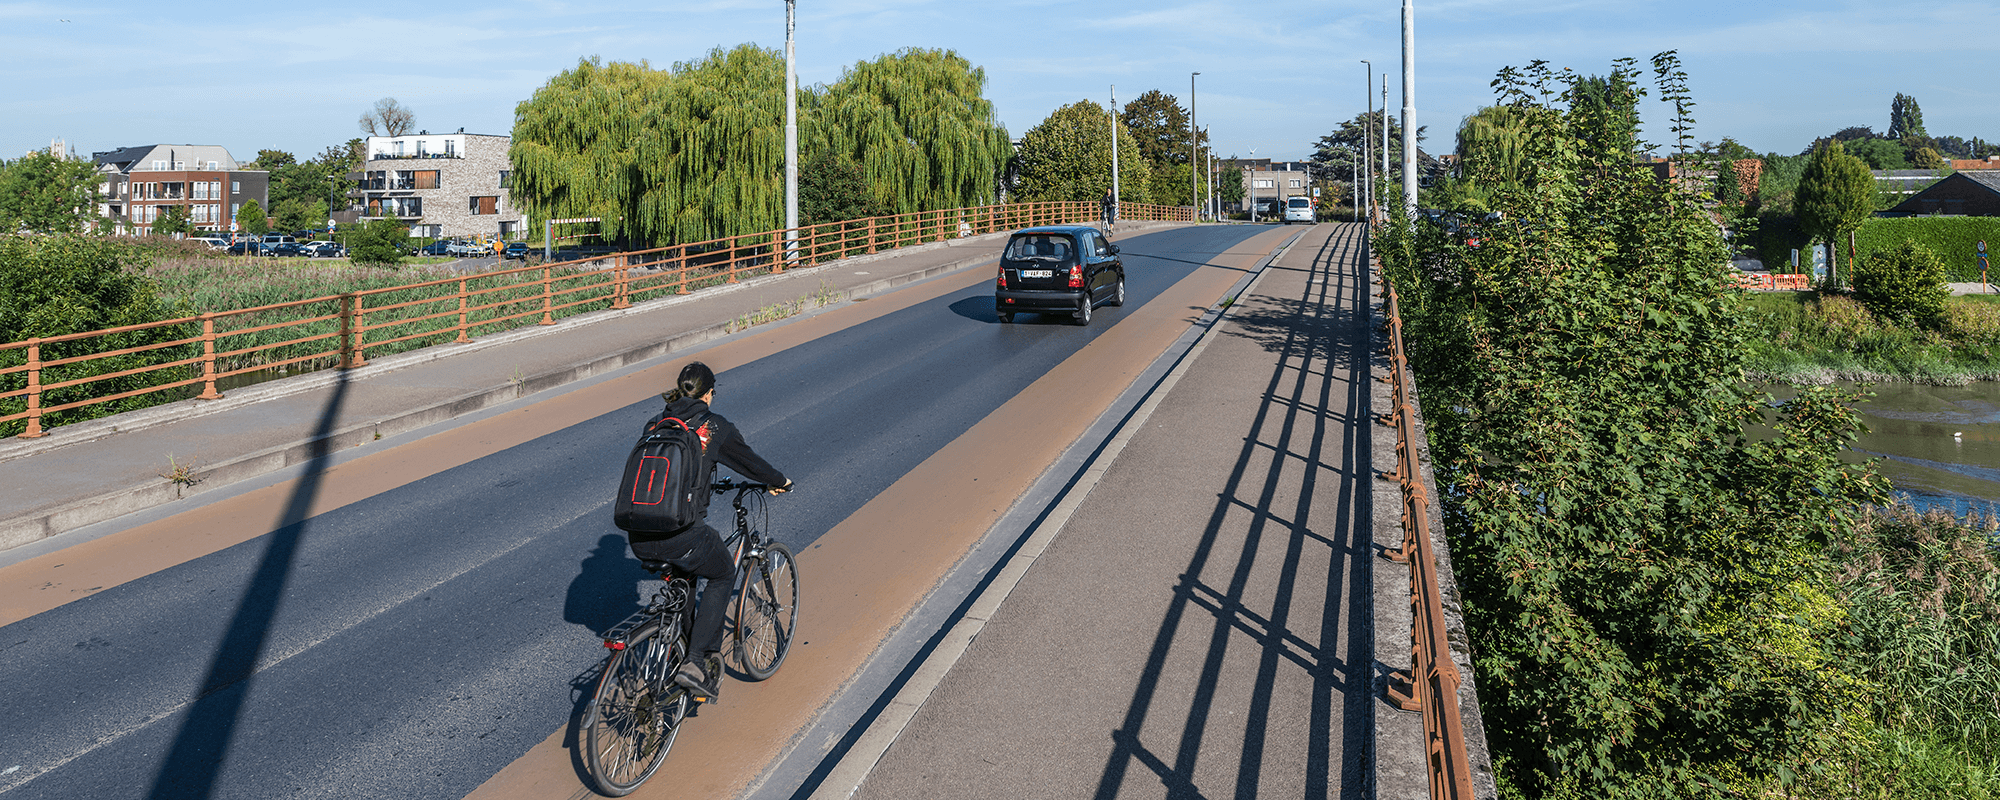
(727, 484)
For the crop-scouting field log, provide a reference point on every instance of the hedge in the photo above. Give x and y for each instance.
(1955, 240)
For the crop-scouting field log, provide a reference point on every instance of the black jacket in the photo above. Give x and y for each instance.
(725, 446)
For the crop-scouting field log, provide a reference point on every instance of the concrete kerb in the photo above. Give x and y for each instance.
(118, 502)
(1400, 766)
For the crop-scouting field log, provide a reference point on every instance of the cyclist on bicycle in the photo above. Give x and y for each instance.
(699, 550)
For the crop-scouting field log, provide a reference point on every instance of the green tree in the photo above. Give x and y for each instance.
(1336, 151)
(832, 188)
(172, 220)
(1067, 156)
(1906, 120)
(1228, 181)
(1878, 153)
(697, 152)
(252, 220)
(72, 283)
(1836, 194)
(1905, 285)
(46, 194)
(1927, 158)
(1640, 573)
(1160, 124)
(378, 241)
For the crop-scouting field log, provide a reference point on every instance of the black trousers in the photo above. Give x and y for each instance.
(698, 551)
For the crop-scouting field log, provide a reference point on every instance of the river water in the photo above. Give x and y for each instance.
(1938, 445)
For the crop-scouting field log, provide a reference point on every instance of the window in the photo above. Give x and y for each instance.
(160, 166)
(484, 205)
(450, 148)
(1295, 183)
(235, 187)
(234, 209)
(212, 165)
(506, 179)
(405, 179)
(180, 165)
(1263, 183)
(422, 150)
(427, 179)
(409, 206)
(399, 148)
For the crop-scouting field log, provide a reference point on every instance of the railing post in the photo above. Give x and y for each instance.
(548, 314)
(871, 234)
(619, 289)
(34, 430)
(681, 267)
(360, 331)
(462, 298)
(208, 391)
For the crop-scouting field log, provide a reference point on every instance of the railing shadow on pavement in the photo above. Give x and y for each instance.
(1321, 328)
(200, 748)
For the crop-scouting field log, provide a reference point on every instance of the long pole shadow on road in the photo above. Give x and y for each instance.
(201, 747)
(1326, 329)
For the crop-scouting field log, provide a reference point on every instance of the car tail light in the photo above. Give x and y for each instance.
(1003, 277)
(1076, 277)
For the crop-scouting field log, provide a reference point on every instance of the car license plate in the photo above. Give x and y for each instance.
(1038, 273)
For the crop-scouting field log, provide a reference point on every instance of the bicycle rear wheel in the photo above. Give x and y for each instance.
(767, 608)
(636, 714)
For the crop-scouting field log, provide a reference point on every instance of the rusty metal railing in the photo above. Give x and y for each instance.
(1431, 683)
(336, 329)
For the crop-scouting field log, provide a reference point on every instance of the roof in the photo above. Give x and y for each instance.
(1987, 178)
(133, 159)
(1057, 229)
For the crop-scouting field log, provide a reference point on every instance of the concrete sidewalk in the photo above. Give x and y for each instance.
(94, 471)
(1203, 624)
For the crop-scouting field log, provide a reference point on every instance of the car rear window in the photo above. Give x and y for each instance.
(1299, 202)
(1054, 247)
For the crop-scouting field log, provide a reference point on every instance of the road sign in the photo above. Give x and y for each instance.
(1982, 245)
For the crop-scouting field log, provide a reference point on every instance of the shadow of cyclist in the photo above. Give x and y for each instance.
(606, 588)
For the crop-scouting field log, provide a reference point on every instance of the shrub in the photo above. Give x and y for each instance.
(1904, 285)
(378, 242)
(56, 285)
(1973, 321)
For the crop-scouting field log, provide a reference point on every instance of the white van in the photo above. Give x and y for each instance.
(1299, 209)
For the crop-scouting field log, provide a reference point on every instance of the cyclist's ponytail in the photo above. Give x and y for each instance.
(696, 380)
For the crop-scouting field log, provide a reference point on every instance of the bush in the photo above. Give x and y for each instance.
(378, 242)
(56, 285)
(1904, 285)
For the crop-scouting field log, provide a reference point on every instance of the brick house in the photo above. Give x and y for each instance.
(442, 185)
(139, 183)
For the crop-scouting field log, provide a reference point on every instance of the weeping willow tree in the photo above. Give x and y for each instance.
(1068, 157)
(697, 152)
(917, 123)
(576, 143)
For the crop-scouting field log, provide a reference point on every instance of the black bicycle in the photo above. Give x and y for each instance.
(637, 710)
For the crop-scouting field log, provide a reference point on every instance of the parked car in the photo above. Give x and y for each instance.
(243, 247)
(516, 250)
(213, 243)
(281, 249)
(323, 250)
(1058, 269)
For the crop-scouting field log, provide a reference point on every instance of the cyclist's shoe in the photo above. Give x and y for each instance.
(699, 679)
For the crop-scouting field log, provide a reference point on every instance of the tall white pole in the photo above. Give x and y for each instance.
(1384, 149)
(791, 136)
(1409, 110)
(1367, 161)
(1194, 153)
(1114, 145)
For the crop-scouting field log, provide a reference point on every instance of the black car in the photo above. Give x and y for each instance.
(282, 249)
(516, 250)
(1058, 269)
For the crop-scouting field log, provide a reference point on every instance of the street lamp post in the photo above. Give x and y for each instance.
(791, 136)
(1194, 152)
(1114, 152)
(1409, 110)
(1367, 136)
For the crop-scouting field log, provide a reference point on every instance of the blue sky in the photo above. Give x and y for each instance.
(1275, 76)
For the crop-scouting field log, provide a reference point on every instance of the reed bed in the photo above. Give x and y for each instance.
(1807, 337)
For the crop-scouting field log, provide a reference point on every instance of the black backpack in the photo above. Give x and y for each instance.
(664, 478)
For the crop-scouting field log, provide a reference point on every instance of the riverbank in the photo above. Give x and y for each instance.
(1810, 338)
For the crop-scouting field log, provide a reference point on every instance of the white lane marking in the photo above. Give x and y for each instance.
(265, 662)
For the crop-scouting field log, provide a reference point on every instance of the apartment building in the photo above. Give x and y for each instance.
(450, 184)
(140, 183)
(1271, 183)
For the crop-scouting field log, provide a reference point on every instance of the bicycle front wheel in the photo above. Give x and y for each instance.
(636, 714)
(767, 608)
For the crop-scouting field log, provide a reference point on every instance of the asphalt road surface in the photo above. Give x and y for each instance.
(417, 622)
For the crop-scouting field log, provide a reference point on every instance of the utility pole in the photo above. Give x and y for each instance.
(1368, 137)
(1194, 153)
(1114, 145)
(1409, 110)
(791, 136)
